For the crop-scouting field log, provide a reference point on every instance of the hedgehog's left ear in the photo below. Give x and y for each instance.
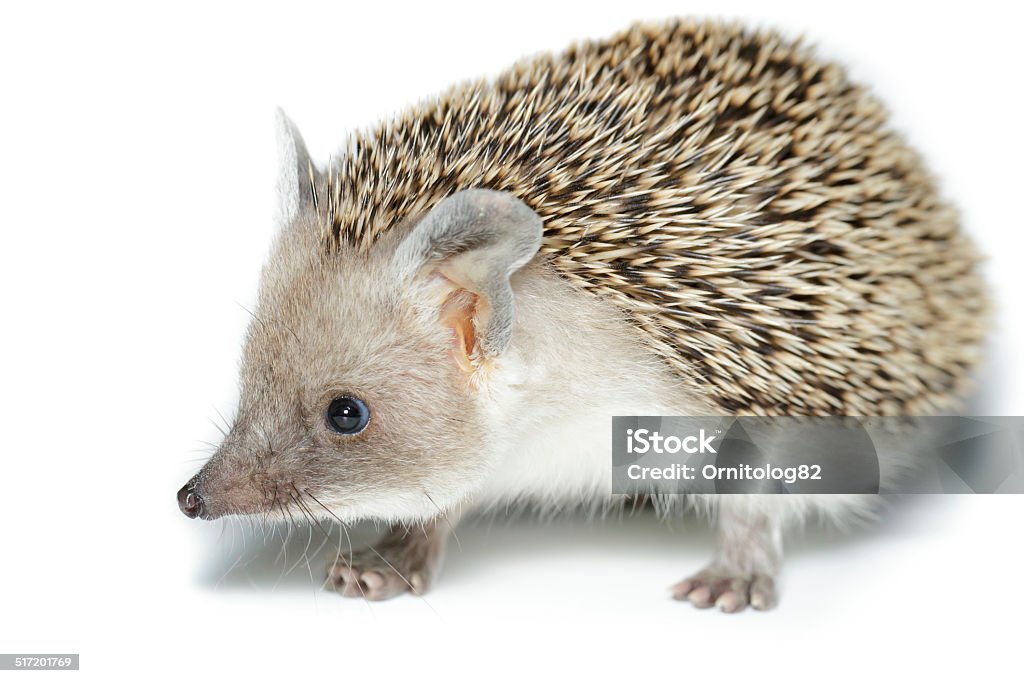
(297, 177)
(474, 240)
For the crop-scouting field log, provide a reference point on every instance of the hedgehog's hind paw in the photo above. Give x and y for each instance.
(728, 591)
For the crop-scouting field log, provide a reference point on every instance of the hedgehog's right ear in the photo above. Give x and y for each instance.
(473, 240)
(296, 180)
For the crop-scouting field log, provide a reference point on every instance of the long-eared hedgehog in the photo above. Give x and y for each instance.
(686, 218)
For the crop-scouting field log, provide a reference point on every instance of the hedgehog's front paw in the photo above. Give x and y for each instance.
(403, 561)
(729, 591)
(375, 577)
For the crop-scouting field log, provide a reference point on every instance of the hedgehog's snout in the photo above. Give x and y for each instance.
(190, 501)
(231, 485)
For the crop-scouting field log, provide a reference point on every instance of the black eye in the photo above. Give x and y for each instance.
(347, 415)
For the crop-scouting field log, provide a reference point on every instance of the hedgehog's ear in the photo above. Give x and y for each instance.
(296, 177)
(473, 240)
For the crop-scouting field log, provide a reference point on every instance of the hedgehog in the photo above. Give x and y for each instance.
(687, 218)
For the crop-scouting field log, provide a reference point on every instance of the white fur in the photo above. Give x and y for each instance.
(550, 399)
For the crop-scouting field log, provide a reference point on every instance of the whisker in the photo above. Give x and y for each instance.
(306, 510)
(351, 559)
(219, 428)
(309, 542)
(229, 570)
(344, 528)
(447, 520)
(283, 553)
(402, 577)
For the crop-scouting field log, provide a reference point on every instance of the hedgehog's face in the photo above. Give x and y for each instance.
(352, 405)
(359, 377)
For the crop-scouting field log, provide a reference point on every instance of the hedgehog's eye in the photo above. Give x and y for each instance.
(347, 415)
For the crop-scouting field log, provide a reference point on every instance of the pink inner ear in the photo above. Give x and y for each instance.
(457, 314)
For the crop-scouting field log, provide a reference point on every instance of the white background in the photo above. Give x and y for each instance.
(137, 204)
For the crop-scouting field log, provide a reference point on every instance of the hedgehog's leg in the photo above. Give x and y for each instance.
(746, 563)
(403, 560)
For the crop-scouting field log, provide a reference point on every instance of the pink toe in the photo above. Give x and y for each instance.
(700, 597)
(682, 589)
(730, 602)
(372, 579)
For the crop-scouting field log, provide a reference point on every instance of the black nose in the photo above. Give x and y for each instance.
(190, 502)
